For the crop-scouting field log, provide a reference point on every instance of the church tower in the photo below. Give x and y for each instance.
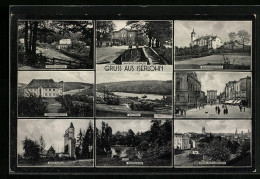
(193, 34)
(203, 130)
(70, 141)
(236, 136)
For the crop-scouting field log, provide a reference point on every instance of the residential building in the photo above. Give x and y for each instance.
(44, 88)
(64, 43)
(211, 96)
(209, 41)
(181, 141)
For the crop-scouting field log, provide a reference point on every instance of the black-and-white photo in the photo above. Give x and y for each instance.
(55, 142)
(133, 94)
(213, 45)
(133, 143)
(55, 44)
(212, 143)
(213, 94)
(120, 41)
(55, 93)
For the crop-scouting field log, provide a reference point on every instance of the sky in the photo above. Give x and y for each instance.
(214, 126)
(52, 131)
(119, 24)
(183, 29)
(105, 77)
(218, 80)
(66, 76)
(123, 125)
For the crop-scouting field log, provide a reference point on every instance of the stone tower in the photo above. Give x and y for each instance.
(203, 130)
(70, 141)
(193, 37)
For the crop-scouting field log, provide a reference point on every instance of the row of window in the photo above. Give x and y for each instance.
(54, 94)
(49, 89)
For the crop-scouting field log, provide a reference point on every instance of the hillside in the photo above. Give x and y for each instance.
(75, 85)
(141, 87)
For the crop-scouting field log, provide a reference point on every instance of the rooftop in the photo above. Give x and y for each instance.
(44, 83)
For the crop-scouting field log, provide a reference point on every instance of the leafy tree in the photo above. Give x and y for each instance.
(79, 142)
(104, 30)
(244, 37)
(130, 137)
(232, 36)
(31, 150)
(155, 130)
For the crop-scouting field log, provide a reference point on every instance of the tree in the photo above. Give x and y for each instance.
(31, 150)
(42, 144)
(232, 38)
(87, 142)
(104, 30)
(79, 142)
(130, 137)
(244, 37)
(155, 130)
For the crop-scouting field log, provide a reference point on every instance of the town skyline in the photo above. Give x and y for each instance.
(57, 76)
(183, 29)
(52, 131)
(213, 126)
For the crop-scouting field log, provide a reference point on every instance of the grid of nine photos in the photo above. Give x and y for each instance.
(111, 93)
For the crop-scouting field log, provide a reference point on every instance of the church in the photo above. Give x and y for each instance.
(209, 41)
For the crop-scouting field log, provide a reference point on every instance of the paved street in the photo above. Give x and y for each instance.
(209, 111)
(109, 54)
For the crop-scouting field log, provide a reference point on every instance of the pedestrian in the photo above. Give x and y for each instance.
(224, 111)
(227, 111)
(218, 111)
(244, 109)
(184, 110)
(216, 108)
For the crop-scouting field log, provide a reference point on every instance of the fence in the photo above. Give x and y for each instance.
(131, 55)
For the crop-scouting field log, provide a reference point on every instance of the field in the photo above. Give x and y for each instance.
(236, 60)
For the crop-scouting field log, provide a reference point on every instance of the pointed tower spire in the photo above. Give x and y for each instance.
(71, 125)
(236, 131)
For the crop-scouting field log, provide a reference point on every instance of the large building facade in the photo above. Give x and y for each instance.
(70, 141)
(126, 36)
(209, 41)
(188, 92)
(212, 96)
(239, 91)
(44, 88)
(182, 141)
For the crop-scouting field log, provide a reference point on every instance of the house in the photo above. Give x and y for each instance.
(44, 88)
(209, 41)
(64, 43)
(181, 141)
(51, 152)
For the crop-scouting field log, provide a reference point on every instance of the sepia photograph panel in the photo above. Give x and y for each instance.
(55, 93)
(213, 94)
(147, 45)
(55, 142)
(214, 45)
(52, 44)
(129, 143)
(134, 94)
(212, 143)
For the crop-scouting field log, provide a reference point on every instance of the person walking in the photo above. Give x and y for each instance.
(218, 110)
(184, 111)
(244, 109)
(226, 111)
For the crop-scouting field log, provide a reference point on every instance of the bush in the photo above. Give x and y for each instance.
(31, 106)
(195, 157)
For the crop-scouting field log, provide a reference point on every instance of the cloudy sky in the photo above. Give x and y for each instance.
(105, 77)
(214, 126)
(52, 131)
(218, 80)
(183, 29)
(124, 125)
(119, 24)
(66, 76)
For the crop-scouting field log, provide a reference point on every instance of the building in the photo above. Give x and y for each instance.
(211, 96)
(188, 92)
(64, 43)
(209, 41)
(238, 92)
(203, 130)
(181, 141)
(44, 88)
(70, 141)
(127, 36)
(51, 152)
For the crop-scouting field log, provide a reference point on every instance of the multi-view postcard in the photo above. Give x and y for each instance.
(128, 143)
(134, 94)
(55, 142)
(134, 45)
(212, 143)
(212, 94)
(213, 45)
(55, 93)
(52, 44)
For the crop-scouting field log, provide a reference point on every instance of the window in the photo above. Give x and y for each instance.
(49, 89)
(130, 35)
(178, 85)
(45, 89)
(53, 94)
(46, 94)
(49, 94)
(53, 89)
